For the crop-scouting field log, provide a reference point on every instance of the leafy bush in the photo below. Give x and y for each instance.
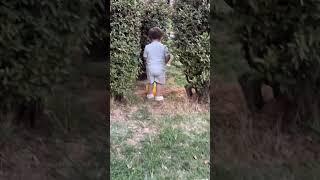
(281, 44)
(192, 44)
(98, 33)
(155, 14)
(125, 46)
(37, 41)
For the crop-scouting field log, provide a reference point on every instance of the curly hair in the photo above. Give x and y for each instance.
(155, 33)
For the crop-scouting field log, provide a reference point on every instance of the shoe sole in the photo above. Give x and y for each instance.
(159, 99)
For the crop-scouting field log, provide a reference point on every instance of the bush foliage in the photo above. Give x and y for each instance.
(281, 44)
(37, 40)
(192, 44)
(154, 14)
(125, 46)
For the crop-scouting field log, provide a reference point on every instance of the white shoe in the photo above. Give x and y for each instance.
(150, 96)
(159, 98)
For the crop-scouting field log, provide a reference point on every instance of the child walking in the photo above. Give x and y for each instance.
(156, 56)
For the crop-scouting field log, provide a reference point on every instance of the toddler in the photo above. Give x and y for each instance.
(156, 56)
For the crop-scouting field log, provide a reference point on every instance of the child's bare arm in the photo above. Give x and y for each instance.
(145, 55)
(167, 59)
(145, 60)
(167, 55)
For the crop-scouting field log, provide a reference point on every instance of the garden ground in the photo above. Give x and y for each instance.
(69, 142)
(251, 146)
(151, 140)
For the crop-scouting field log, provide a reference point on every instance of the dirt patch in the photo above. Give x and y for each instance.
(20, 160)
(138, 130)
(120, 113)
(139, 134)
(176, 103)
(125, 115)
(117, 115)
(198, 127)
(171, 107)
(167, 91)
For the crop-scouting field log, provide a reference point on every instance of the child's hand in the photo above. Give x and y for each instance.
(168, 63)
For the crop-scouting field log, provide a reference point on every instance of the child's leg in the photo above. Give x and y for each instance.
(150, 81)
(159, 89)
(150, 92)
(160, 85)
(159, 78)
(150, 88)
(170, 60)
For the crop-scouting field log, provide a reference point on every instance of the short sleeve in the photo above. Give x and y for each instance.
(145, 52)
(166, 51)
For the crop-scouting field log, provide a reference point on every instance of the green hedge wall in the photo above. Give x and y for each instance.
(281, 45)
(125, 46)
(192, 46)
(36, 44)
(154, 14)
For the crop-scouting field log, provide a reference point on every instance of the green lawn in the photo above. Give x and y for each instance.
(177, 149)
(168, 142)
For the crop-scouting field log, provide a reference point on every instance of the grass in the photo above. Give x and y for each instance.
(68, 143)
(279, 172)
(151, 142)
(173, 153)
(177, 79)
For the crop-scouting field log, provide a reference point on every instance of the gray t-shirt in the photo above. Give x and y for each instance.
(155, 54)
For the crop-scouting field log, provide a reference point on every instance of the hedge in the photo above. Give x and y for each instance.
(281, 44)
(125, 46)
(37, 41)
(154, 14)
(190, 21)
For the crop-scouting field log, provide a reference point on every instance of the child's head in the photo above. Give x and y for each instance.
(155, 33)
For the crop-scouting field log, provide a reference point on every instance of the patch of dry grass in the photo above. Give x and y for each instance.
(178, 105)
(254, 141)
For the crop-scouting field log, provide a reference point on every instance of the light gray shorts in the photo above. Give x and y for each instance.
(158, 77)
